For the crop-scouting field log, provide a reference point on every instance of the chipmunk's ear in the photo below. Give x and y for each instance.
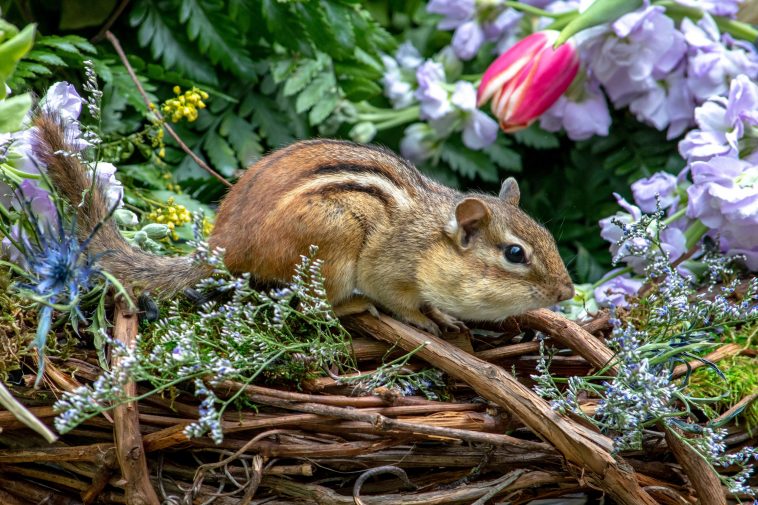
(470, 215)
(509, 191)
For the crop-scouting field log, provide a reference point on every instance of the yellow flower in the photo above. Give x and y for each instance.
(185, 105)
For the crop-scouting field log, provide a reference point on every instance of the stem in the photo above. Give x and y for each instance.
(402, 117)
(608, 277)
(676, 215)
(529, 9)
(736, 28)
(694, 233)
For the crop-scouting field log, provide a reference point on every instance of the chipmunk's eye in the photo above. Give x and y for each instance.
(515, 253)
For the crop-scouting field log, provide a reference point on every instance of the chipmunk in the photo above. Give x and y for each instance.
(388, 235)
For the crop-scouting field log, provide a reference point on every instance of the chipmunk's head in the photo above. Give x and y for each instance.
(494, 261)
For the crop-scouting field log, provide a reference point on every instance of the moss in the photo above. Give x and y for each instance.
(741, 380)
(16, 329)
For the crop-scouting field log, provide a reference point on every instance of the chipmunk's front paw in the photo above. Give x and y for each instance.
(421, 322)
(444, 320)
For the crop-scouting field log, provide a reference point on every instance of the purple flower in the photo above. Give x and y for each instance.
(399, 75)
(672, 238)
(724, 197)
(479, 130)
(407, 56)
(660, 183)
(456, 12)
(435, 100)
(467, 40)
(639, 64)
(711, 62)
(37, 200)
(723, 122)
(62, 99)
(474, 23)
(581, 117)
(418, 143)
(614, 292)
(106, 176)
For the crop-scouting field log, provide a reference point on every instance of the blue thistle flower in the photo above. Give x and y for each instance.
(58, 270)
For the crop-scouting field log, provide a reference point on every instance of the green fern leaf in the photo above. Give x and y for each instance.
(216, 35)
(159, 30)
(467, 162)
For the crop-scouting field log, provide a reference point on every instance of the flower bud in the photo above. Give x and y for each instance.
(155, 230)
(363, 133)
(527, 79)
(125, 217)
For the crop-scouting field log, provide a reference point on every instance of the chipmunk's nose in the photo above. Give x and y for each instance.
(566, 291)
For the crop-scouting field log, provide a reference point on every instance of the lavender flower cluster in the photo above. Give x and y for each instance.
(446, 108)
(239, 334)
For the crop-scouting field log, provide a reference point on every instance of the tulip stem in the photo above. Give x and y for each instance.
(676, 215)
(533, 10)
(694, 233)
(736, 28)
(613, 275)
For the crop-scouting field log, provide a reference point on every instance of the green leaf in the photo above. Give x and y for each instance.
(359, 88)
(45, 58)
(216, 35)
(221, 154)
(504, 157)
(281, 69)
(13, 110)
(11, 51)
(537, 138)
(315, 92)
(467, 162)
(267, 117)
(340, 20)
(243, 138)
(285, 26)
(302, 76)
(322, 31)
(77, 14)
(323, 108)
(160, 31)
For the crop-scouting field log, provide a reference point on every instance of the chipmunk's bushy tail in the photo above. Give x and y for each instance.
(71, 178)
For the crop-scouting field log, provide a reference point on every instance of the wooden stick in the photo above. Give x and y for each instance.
(131, 456)
(725, 351)
(588, 450)
(50, 454)
(569, 334)
(508, 351)
(466, 493)
(151, 106)
(701, 476)
(106, 462)
(381, 422)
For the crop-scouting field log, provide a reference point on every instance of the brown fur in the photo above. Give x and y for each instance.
(387, 234)
(73, 181)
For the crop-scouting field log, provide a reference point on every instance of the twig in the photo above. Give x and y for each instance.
(588, 450)
(129, 450)
(109, 22)
(150, 105)
(385, 423)
(509, 479)
(701, 476)
(569, 334)
(397, 472)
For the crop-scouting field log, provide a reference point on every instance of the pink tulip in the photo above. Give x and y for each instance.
(527, 79)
